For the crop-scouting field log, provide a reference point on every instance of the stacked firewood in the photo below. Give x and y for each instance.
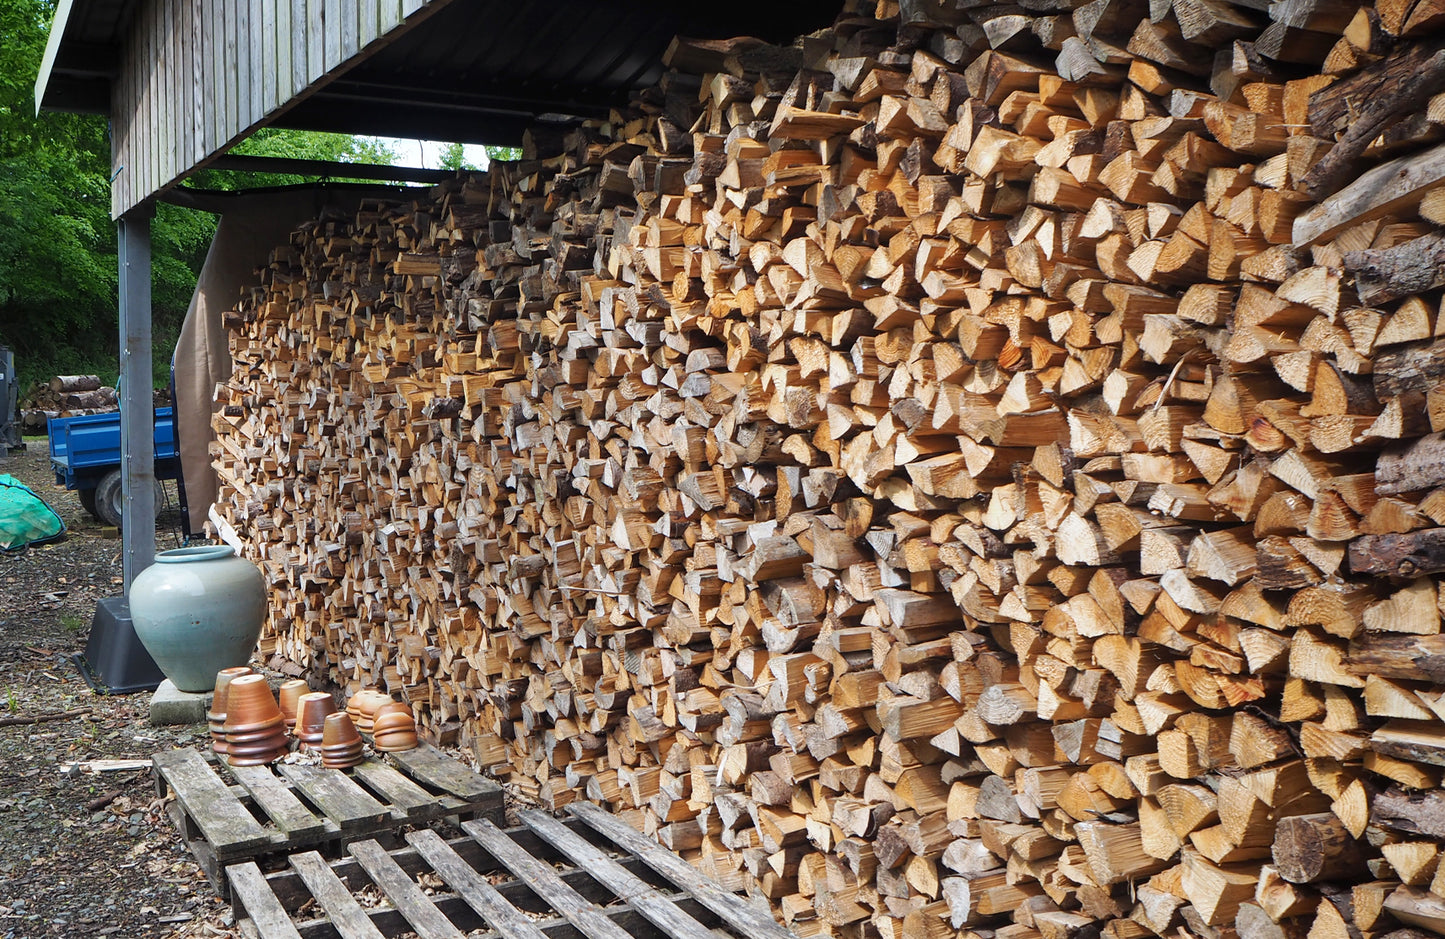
(65, 396)
(975, 471)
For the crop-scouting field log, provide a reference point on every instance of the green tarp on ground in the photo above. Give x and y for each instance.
(25, 519)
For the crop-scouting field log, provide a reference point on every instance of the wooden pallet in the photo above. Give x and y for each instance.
(277, 809)
(592, 876)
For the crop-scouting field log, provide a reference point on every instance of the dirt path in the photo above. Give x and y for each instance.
(85, 854)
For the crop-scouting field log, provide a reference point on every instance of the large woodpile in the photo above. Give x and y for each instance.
(65, 396)
(974, 471)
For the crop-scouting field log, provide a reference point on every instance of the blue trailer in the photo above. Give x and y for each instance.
(85, 454)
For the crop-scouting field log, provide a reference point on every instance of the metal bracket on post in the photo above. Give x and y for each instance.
(137, 407)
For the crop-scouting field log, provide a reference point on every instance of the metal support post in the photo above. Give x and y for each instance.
(137, 410)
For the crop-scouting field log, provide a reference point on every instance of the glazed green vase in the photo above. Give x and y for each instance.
(197, 611)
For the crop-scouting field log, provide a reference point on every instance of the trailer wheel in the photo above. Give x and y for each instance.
(109, 498)
(110, 501)
(87, 501)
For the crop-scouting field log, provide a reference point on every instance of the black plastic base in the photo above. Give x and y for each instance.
(114, 660)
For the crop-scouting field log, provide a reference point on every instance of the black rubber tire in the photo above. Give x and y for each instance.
(87, 501)
(109, 500)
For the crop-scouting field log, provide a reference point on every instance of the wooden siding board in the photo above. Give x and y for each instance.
(182, 89)
(315, 40)
(198, 98)
(300, 32)
(197, 75)
(270, 62)
(283, 50)
(388, 16)
(349, 45)
(245, 41)
(256, 50)
(332, 57)
(172, 100)
(142, 152)
(225, 98)
(206, 93)
(367, 17)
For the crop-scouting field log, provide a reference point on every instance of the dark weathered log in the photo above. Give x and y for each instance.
(1390, 273)
(1398, 656)
(1397, 86)
(1334, 108)
(1416, 741)
(1415, 813)
(1407, 555)
(1410, 368)
(1390, 187)
(1309, 848)
(1419, 464)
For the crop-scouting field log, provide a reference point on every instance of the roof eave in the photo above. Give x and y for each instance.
(52, 49)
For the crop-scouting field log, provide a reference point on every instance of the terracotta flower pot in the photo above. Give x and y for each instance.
(311, 711)
(260, 755)
(249, 703)
(394, 728)
(339, 731)
(362, 707)
(392, 712)
(341, 745)
(265, 731)
(223, 682)
(395, 742)
(287, 697)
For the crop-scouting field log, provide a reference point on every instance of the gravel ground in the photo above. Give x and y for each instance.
(85, 853)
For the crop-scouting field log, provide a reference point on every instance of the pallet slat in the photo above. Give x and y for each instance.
(431, 766)
(346, 914)
(745, 917)
(249, 888)
(405, 895)
(343, 801)
(660, 911)
(545, 881)
(220, 816)
(405, 796)
(480, 895)
(278, 801)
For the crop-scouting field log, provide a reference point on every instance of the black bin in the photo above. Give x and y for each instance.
(114, 661)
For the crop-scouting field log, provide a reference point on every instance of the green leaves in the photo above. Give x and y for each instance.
(58, 279)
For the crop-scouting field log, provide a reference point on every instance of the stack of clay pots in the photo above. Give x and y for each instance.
(393, 728)
(216, 716)
(250, 727)
(254, 728)
(362, 707)
(341, 745)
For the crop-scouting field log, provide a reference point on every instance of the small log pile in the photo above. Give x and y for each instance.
(65, 396)
(975, 472)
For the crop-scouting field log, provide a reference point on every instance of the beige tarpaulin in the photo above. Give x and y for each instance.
(251, 225)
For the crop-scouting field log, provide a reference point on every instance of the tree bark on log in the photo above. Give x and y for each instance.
(1384, 274)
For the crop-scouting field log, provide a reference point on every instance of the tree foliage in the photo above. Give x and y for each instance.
(58, 280)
